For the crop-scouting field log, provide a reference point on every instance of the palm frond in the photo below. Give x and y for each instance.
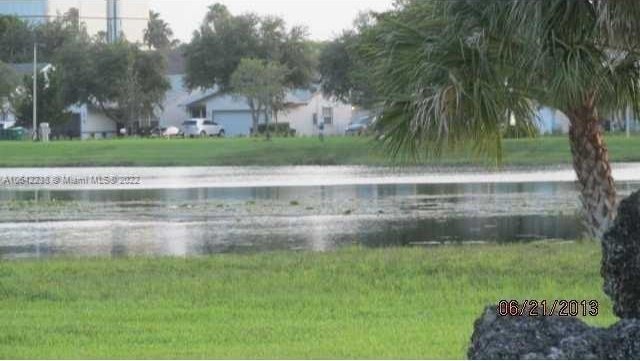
(452, 72)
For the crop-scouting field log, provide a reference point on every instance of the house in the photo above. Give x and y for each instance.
(304, 110)
(552, 121)
(174, 107)
(87, 121)
(231, 112)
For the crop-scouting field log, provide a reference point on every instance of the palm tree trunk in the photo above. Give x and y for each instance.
(591, 164)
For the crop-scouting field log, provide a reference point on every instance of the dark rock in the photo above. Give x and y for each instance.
(515, 337)
(621, 259)
(552, 338)
(624, 340)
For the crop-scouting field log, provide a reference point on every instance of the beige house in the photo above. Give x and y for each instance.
(306, 112)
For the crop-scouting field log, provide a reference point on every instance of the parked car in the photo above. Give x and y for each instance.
(360, 125)
(165, 132)
(200, 127)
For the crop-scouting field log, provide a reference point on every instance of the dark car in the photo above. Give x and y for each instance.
(360, 125)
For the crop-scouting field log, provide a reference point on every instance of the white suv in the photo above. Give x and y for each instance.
(200, 127)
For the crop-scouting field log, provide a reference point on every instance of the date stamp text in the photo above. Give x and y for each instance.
(534, 308)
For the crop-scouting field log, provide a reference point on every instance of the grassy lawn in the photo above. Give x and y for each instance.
(354, 303)
(281, 151)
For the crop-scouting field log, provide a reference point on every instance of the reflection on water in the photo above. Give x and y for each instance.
(195, 221)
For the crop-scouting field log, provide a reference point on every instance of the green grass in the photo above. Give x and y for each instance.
(280, 151)
(353, 303)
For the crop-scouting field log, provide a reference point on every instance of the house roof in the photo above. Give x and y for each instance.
(27, 68)
(201, 95)
(175, 62)
(299, 96)
(178, 93)
(293, 97)
(198, 96)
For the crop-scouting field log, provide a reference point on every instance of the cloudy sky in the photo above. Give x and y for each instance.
(324, 18)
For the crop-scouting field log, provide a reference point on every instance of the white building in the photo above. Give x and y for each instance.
(304, 111)
(552, 121)
(113, 17)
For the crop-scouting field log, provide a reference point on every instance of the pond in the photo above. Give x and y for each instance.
(199, 211)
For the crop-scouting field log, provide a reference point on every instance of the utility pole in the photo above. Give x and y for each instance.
(35, 91)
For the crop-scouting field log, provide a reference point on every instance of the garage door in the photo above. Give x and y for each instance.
(234, 123)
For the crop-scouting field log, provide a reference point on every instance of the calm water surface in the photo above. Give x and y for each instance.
(195, 211)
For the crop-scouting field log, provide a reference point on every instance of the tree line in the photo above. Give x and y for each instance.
(257, 58)
(121, 79)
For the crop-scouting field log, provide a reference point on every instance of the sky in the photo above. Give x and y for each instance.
(325, 19)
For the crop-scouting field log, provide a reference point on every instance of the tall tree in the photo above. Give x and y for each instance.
(51, 36)
(16, 40)
(453, 72)
(8, 80)
(345, 73)
(224, 39)
(51, 105)
(8, 83)
(262, 84)
(17, 37)
(126, 83)
(158, 34)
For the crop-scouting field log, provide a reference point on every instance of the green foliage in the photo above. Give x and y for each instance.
(125, 82)
(18, 36)
(52, 36)
(8, 81)
(392, 303)
(277, 129)
(224, 39)
(262, 83)
(128, 84)
(335, 66)
(16, 40)
(345, 72)
(452, 72)
(51, 106)
(158, 34)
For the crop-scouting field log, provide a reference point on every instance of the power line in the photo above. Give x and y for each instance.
(79, 17)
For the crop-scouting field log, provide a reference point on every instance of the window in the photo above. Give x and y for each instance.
(315, 118)
(327, 115)
(199, 111)
(207, 122)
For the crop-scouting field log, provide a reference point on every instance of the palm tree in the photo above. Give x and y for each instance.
(454, 72)
(158, 34)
